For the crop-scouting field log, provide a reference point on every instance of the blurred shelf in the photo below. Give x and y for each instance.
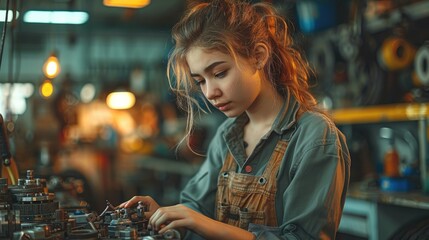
(381, 113)
(411, 199)
(376, 214)
(366, 219)
(414, 11)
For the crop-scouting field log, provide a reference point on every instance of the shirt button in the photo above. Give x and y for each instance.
(248, 168)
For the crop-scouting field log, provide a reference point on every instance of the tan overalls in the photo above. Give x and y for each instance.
(242, 198)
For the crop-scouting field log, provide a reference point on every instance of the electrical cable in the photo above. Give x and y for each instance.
(12, 49)
(4, 32)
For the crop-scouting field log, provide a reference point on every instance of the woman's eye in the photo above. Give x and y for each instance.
(220, 74)
(199, 82)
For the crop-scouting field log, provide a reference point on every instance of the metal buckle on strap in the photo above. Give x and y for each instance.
(262, 180)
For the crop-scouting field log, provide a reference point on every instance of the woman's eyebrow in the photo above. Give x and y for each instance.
(208, 68)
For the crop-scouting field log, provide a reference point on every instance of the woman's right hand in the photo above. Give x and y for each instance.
(151, 204)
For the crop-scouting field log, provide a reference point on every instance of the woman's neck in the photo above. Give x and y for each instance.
(262, 115)
(265, 109)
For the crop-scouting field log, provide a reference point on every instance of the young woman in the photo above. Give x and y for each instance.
(278, 167)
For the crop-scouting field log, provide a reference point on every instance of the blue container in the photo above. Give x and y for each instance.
(315, 16)
(397, 184)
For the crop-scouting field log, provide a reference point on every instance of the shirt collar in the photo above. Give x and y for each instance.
(285, 119)
(287, 115)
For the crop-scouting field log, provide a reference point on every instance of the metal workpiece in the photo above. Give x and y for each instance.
(29, 212)
(31, 199)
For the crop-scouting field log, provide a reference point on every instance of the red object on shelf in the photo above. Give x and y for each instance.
(391, 163)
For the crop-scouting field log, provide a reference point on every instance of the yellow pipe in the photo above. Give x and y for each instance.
(383, 113)
(12, 177)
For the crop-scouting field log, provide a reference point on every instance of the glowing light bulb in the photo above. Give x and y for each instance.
(51, 68)
(120, 100)
(46, 89)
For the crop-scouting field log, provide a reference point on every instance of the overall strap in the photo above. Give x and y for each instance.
(276, 158)
(229, 164)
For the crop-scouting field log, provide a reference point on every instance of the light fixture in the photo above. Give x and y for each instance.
(46, 88)
(18, 94)
(120, 100)
(126, 3)
(52, 67)
(56, 17)
(87, 93)
(9, 15)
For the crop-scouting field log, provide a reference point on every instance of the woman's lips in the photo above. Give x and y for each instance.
(222, 106)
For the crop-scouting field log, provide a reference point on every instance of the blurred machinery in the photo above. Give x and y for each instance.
(29, 212)
(370, 56)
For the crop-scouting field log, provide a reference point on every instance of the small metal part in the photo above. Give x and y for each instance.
(171, 234)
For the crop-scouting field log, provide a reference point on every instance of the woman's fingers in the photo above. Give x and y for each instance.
(130, 202)
(166, 215)
(151, 204)
(134, 200)
(177, 224)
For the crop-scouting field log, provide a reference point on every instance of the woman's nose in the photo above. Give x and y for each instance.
(212, 91)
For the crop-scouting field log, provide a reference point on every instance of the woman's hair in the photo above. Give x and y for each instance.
(235, 27)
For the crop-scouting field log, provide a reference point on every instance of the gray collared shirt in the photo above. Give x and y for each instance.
(312, 180)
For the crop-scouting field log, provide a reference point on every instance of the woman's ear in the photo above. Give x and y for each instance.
(261, 55)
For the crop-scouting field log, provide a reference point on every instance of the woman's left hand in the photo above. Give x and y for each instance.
(175, 217)
(180, 217)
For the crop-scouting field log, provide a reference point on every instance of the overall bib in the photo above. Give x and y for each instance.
(242, 198)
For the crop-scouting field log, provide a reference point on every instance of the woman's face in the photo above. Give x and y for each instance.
(231, 86)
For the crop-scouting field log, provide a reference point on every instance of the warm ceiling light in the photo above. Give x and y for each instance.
(56, 17)
(51, 68)
(120, 100)
(46, 89)
(126, 3)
